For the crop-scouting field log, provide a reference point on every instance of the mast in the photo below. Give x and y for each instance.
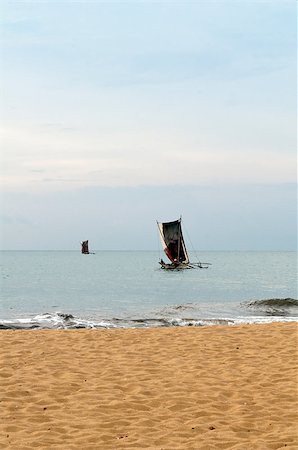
(182, 244)
(179, 240)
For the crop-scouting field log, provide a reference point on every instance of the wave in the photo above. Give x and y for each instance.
(65, 321)
(54, 321)
(284, 302)
(274, 306)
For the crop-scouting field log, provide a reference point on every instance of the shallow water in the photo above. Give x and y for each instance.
(124, 289)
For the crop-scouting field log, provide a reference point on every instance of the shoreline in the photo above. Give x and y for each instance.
(67, 321)
(211, 387)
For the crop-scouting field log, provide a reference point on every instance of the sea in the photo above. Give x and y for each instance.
(128, 289)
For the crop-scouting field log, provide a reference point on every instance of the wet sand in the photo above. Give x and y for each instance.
(203, 388)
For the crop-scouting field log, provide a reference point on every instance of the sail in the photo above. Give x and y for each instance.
(85, 248)
(173, 242)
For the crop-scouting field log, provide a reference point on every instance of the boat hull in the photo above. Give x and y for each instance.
(180, 266)
(183, 266)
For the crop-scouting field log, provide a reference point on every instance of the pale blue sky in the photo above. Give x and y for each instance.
(114, 114)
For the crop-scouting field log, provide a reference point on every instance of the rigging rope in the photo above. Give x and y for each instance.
(191, 244)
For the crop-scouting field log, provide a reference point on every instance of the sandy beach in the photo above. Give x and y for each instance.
(204, 388)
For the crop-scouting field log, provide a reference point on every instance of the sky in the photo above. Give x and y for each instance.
(116, 114)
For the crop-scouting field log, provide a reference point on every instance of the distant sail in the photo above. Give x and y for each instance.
(172, 241)
(85, 248)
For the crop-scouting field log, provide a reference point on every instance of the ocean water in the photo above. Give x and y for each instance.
(65, 289)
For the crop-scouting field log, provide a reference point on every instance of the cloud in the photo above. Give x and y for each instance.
(116, 114)
(14, 219)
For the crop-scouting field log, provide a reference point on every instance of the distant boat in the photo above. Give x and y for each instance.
(174, 247)
(85, 248)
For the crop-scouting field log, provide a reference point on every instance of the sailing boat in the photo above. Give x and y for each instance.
(85, 248)
(174, 247)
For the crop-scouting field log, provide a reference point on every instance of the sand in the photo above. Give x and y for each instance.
(204, 388)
